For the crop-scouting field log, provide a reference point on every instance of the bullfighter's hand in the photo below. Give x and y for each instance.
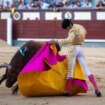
(56, 44)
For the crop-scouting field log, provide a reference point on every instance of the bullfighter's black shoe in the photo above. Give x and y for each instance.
(98, 93)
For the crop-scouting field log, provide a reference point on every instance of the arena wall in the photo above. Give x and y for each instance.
(46, 24)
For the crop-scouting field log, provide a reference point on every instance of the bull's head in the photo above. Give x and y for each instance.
(11, 74)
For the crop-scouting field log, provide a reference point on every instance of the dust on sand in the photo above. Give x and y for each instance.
(95, 58)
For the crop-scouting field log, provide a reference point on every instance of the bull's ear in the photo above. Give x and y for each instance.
(5, 65)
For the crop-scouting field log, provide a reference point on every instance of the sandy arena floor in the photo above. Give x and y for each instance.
(95, 58)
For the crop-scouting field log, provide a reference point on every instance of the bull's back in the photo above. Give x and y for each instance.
(19, 61)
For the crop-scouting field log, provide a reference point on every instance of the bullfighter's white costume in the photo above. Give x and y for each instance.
(75, 39)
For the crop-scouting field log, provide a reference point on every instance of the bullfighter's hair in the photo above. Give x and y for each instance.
(66, 23)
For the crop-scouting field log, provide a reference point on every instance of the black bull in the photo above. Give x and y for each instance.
(18, 61)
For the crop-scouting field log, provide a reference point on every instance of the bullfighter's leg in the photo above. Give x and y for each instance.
(91, 77)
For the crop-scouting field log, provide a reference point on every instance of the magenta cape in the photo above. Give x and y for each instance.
(37, 62)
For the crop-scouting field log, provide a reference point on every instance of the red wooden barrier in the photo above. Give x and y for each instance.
(52, 29)
(3, 29)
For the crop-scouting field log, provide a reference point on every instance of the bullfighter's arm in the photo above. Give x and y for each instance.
(67, 40)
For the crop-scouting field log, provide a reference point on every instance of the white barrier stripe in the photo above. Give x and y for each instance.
(94, 40)
(27, 39)
(87, 40)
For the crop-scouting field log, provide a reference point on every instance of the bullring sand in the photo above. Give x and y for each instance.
(95, 58)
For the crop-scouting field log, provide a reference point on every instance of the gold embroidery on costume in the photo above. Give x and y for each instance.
(70, 59)
(76, 36)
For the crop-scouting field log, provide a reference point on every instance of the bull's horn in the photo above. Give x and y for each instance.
(4, 65)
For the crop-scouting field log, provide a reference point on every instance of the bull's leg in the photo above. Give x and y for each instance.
(15, 89)
(3, 77)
